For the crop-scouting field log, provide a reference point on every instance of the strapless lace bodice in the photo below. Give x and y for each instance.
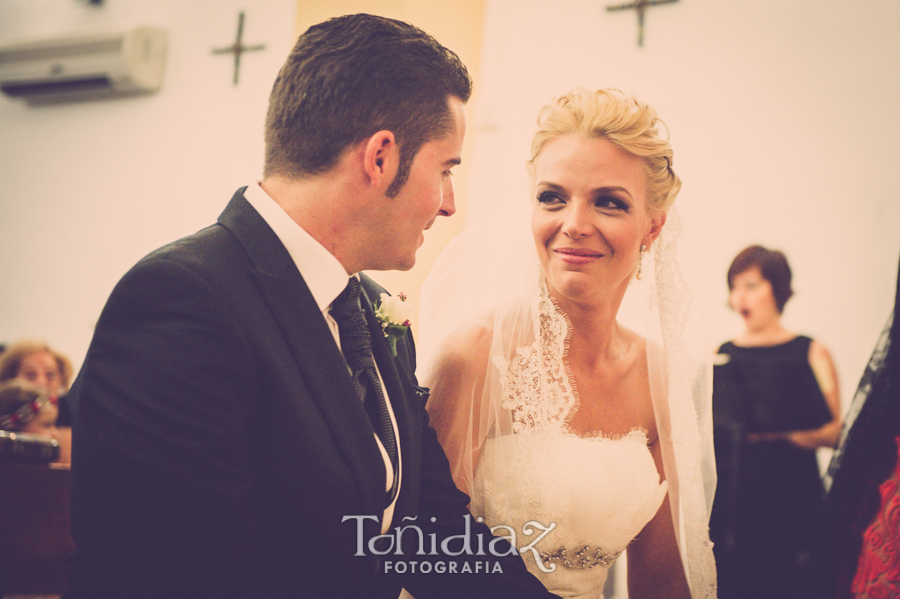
(584, 498)
(598, 492)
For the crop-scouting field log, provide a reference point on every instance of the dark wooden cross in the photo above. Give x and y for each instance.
(640, 6)
(238, 48)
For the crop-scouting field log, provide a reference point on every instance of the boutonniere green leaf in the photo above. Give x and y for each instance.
(393, 314)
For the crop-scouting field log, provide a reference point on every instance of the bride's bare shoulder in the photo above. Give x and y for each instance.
(467, 346)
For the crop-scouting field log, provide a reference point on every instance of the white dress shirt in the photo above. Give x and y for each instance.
(326, 279)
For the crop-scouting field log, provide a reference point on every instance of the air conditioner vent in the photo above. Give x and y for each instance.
(58, 87)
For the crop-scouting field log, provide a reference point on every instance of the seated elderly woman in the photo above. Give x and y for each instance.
(37, 363)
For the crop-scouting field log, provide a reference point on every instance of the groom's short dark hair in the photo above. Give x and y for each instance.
(352, 76)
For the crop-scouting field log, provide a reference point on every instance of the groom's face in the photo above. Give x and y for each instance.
(427, 194)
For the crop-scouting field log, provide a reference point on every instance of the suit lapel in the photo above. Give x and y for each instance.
(310, 340)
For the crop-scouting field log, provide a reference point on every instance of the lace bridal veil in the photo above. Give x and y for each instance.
(483, 298)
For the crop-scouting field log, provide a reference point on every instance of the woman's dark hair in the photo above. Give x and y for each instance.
(352, 76)
(773, 266)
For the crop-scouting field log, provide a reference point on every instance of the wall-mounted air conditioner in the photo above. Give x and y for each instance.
(81, 66)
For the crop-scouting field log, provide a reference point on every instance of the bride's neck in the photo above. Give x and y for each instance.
(594, 330)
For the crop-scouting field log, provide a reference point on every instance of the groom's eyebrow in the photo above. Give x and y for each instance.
(453, 161)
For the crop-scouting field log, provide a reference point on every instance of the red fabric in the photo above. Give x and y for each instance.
(878, 569)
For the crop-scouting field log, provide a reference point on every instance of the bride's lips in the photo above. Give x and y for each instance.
(577, 255)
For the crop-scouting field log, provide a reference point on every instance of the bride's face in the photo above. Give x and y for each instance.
(590, 217)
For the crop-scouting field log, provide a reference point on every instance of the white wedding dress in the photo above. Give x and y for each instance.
(598, 492)
(494, 354)
(586, 498)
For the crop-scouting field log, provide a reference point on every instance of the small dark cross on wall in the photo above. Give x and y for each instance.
(238, 48)
(640, 6)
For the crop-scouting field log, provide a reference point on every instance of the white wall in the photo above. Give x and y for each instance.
(783, 116)
(87, 189)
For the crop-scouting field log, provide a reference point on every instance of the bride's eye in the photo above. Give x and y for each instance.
(611, 203)
(549, 198)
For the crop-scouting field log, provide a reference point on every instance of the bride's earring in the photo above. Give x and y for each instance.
(640, 270)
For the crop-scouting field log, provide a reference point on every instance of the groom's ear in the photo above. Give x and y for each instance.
(381, 158)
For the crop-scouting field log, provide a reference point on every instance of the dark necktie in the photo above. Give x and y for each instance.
(356, 344)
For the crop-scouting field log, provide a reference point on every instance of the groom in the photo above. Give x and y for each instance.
(241, 426)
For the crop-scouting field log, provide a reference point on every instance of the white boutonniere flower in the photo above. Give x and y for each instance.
(394, 313)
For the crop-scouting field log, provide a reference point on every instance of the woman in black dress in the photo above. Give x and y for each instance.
(775, 401)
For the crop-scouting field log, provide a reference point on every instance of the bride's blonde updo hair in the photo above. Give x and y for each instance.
(620, 118)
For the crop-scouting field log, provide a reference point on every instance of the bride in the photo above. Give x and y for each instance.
(557, 415)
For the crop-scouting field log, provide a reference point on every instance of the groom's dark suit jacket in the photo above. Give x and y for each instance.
(218, 443)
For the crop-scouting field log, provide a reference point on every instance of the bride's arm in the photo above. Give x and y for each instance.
(457, 381)
(654, 563)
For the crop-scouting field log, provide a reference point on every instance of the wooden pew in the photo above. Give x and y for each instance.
(35, 537)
